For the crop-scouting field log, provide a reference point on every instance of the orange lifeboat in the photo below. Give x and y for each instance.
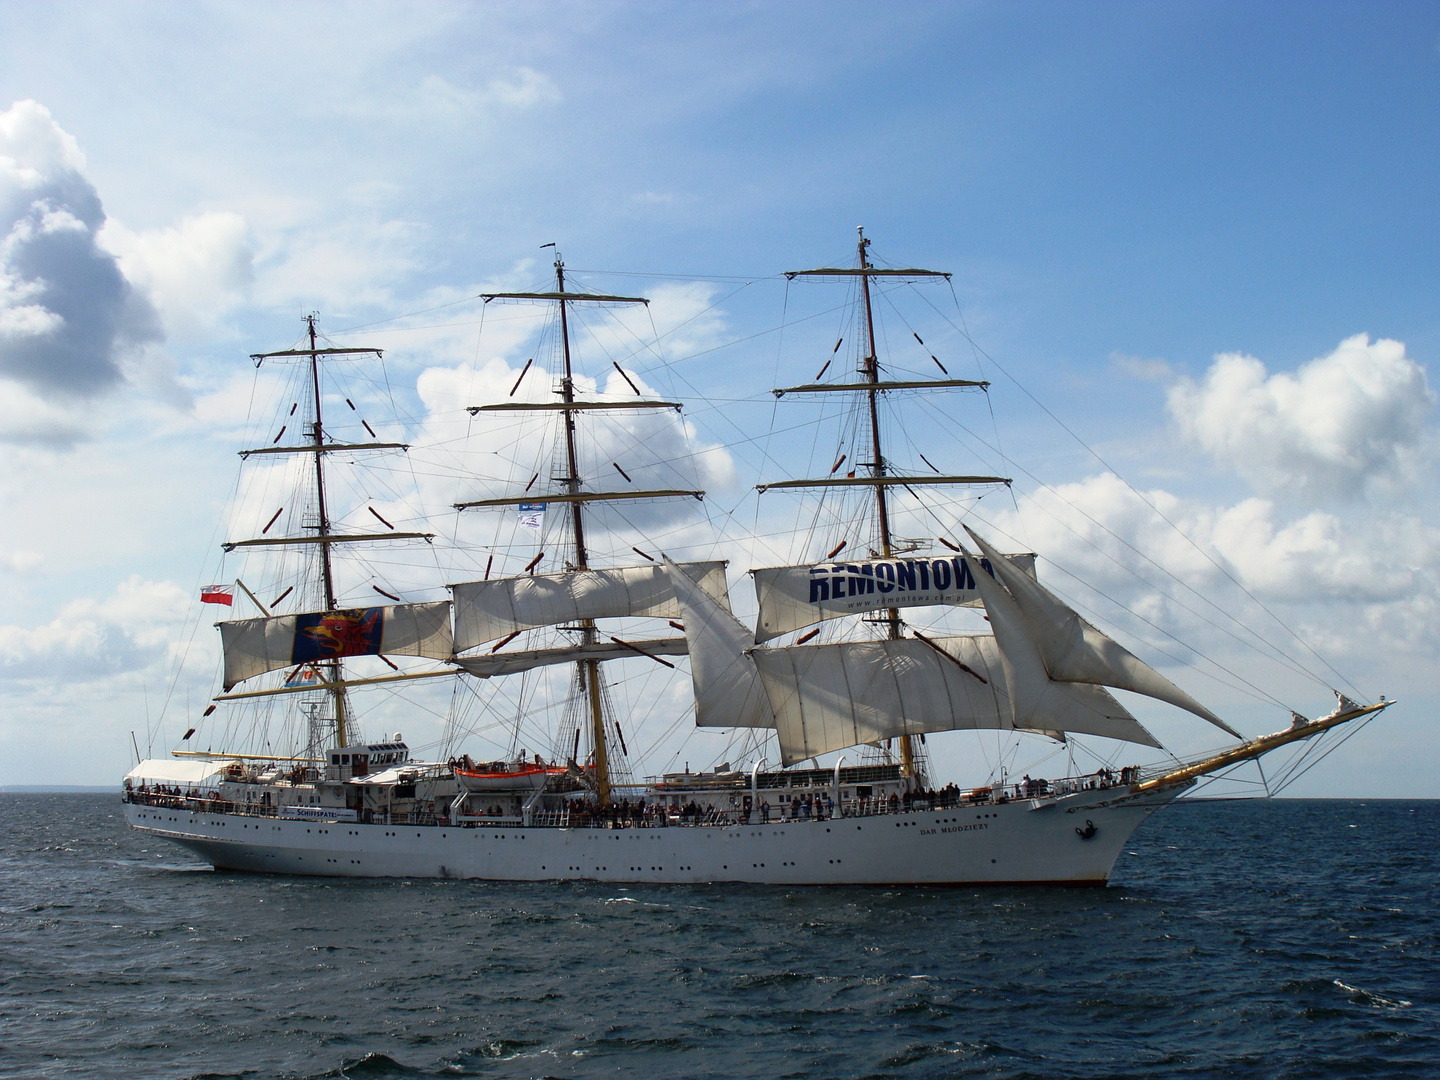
(505, 776)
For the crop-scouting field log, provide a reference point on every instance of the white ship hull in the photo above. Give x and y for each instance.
(1035, 841)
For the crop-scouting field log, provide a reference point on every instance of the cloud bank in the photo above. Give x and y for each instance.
(68, 315)
(194, 272)
(1341, 426)
(1362, 589)
(95, 639)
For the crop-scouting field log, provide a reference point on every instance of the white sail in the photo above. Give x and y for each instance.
(1075, 651)
(1036, 700)
(509, 663)
(795, 596)
(254, 646)
(828, 697)
(728, 691)
(489, 610)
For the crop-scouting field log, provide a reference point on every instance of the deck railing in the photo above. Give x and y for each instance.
(815, 804)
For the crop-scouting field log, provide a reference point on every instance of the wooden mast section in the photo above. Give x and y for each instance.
(324, 537)
(871, 371)
(587, 670)
(318, 439)
(872, 387)
(1254, 748)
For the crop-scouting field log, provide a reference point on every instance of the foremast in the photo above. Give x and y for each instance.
(871, 387)
(871, 370)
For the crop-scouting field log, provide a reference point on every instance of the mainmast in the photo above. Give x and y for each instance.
(317, 430)
(587, 670)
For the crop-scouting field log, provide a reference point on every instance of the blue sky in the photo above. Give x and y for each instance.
(1123, 191)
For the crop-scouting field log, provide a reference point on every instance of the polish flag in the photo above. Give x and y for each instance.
(218, 594)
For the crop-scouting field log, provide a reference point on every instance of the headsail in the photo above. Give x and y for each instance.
(255, 646)
(489, 610)
(828, 697)
(795, 596)
(728, 691)
(1074, 651)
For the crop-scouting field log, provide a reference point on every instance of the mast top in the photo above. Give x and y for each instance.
(257, 357)
(602, 298)
(865, 270)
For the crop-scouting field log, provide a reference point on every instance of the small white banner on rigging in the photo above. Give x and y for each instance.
(532, 515)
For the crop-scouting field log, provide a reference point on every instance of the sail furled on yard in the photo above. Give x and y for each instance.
(1033, 625)
(795, 596)
(255, 646)
(511, 663)
(489, 610)
(828, 697)
(728, 690)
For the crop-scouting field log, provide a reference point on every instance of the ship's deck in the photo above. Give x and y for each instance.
(648, 814)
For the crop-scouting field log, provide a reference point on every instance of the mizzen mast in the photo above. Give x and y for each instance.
(324, 536)
(317, 431)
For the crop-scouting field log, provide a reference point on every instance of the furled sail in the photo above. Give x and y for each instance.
(254, 646)
(795, 596)
(509, 663)
(488, 610)
(1074, 651)
(828, 697)
(728, 691)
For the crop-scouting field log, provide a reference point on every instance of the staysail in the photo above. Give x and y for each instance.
(255, 646)
(1071, 649)
(795, 596)
(820, 698)
(489, 610)
(828, 697)
(728, 691)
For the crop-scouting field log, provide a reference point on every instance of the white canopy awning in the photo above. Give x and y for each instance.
(188, 773)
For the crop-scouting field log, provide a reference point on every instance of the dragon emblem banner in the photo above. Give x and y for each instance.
(255, 646)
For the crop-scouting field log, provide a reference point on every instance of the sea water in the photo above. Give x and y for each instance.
(1237, 939)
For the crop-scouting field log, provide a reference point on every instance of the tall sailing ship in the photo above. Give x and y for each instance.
(307, 793)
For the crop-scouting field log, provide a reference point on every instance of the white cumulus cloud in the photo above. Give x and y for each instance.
(92, 639)
(1363, 589)
(68, 316)
(1341, 425)
(194, 272)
